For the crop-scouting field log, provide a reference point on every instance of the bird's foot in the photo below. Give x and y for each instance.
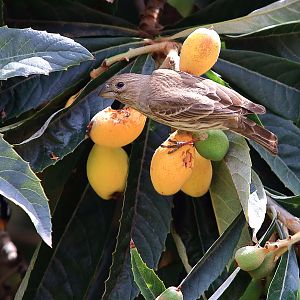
(175, 145)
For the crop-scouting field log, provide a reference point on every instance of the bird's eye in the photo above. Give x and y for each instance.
(120, 84)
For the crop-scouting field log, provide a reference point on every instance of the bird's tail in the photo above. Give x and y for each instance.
(258, 134)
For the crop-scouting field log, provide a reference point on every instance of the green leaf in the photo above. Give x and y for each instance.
(38, 90)
(191, 217)
(54, 180)
(257, 204)
(275, 13)
(286, 164)
(184, 8)
(236, 288)
(213, 262)
(146, 215)
(20, 185)
(221, 10)
(253, 291)
(2, 22)
(230, 186)
(285, 282)
(57, 11)
(27, 51)
(270, 80)
(100, 43)
(216, 77)
(83, 29)
(290, 203)
(80, 232)
(68, 129)
(279, 40)
(148, 282)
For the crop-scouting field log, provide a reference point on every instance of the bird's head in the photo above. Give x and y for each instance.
(125, 87)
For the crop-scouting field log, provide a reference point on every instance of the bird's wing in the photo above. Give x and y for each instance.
(206, 93)
(188, 97)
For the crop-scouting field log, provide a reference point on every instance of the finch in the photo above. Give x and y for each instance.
(189, 103)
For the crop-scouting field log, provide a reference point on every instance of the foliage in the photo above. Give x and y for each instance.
(49, 49)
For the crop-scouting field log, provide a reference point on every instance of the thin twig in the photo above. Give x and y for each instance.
(162, 47)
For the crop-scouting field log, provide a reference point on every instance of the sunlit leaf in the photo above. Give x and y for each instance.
(275, 13)
(19, 184)
(148, 282)
(27, 51)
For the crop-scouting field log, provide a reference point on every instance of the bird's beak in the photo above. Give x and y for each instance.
(107, 92)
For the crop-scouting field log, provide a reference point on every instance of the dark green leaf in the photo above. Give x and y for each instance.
(20, 185)
(195, 223)
(68, 130)
(280, 40)
(275, 13)
(237, 287)
(77, 251)
(285, 283)
(183, 7)
(39, 90)
(99, 43)
(58, 10)
(2, 22)
(80, 29)
(222, 10)
(148, 282)
(291, 203)
(27, 51)
(146, 215)
(213, 262)
(270, 80)
(286, 164)
(254, 290)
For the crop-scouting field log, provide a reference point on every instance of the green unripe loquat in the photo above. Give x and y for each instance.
(214, 147)
(250, 257)
(171, 293)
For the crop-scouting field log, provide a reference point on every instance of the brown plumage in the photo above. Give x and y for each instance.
(189, 103)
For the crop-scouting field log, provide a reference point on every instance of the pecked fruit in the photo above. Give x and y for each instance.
(267, 266)
(200, 51)
(107, 170)
(116, 128)
(250, 257)
(171, 293)
(169, 171)
(215, 146)
(199, 182)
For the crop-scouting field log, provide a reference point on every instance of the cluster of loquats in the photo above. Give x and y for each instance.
(189, 169)
(107, 164)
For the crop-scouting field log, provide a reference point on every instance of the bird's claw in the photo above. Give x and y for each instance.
(175, 145)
